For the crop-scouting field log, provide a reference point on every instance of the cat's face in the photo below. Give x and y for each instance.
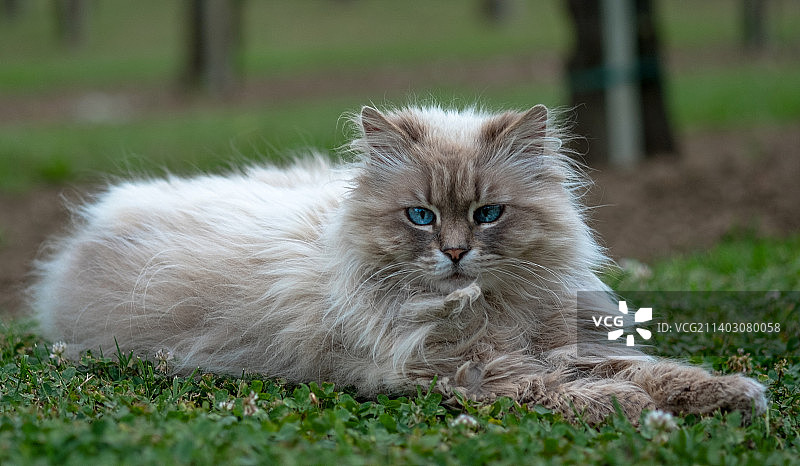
(447, 199)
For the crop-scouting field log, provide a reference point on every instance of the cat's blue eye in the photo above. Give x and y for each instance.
(488, 213)
(420, 215)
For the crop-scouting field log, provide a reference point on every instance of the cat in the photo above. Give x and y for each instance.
(447, 254)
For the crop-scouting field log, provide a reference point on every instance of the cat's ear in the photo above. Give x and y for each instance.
(386, 136)
(531, 126)
(375, 124)
(522, 131)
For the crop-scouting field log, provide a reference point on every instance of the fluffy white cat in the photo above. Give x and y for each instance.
(452, 248)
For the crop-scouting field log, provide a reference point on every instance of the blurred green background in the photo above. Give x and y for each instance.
(113, 104)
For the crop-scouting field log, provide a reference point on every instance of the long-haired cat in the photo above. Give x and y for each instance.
(451, 250)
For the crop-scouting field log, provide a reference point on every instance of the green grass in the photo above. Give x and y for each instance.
(741, 262)
(141, 42)
(209, 140)
(214, 138)
(717, 22)
(126, 42)
(750, 95)
(386, 32)
(138, 45)
(110, 409)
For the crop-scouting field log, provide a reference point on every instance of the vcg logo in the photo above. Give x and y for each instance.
(644, 314)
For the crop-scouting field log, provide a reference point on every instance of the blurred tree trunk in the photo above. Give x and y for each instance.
(71, 21)
(10, 9)
(496, 11)
(585, 76)
(213, 44)
(658, 135)
(754, 23)
(588, 79)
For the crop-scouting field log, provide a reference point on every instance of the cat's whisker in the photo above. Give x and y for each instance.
(530, 284)
(529, 265)
(380, 323)
(533, 278)
(366, 281)
(551, 277)
(565, 286)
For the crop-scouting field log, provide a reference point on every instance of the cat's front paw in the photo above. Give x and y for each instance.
(464, 296)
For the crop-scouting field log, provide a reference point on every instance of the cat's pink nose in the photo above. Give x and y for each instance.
(455, 254)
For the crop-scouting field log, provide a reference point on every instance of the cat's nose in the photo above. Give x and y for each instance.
(455, 254)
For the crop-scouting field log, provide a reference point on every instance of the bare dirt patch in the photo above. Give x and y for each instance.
(724, 180)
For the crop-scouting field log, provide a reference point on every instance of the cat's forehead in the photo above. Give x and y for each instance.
(448, 156)
(446, 126)
(455, 178)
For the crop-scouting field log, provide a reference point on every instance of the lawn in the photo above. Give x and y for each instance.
(115, 409)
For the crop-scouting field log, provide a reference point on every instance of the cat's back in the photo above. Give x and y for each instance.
(151, 261)
(265, 193)
(255, 205)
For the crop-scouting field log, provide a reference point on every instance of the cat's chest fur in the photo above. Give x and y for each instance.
(467, 324)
